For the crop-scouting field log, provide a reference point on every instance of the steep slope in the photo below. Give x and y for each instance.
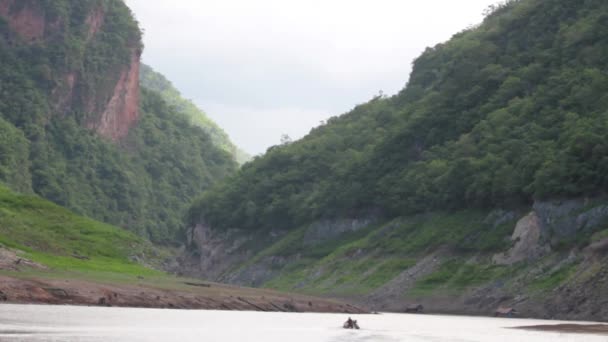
(50, 255)
(157, 82)
(81, 133)
(51, 236)
(481, 184)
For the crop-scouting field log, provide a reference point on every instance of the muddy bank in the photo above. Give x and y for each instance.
(184, 295)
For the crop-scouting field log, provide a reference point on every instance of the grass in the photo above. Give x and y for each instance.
(463, 230)
(599, 236)
(344, 277)
(456, 276)
(55, 237)
(553, 279)
(361, 262)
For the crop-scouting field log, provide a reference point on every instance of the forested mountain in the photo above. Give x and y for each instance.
(155, 81)
(481, 184)
(502, 114)
(77, 129)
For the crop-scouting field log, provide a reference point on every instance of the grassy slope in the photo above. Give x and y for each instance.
(55, 237)
(87, 259)
(463, 243)
(378, 254)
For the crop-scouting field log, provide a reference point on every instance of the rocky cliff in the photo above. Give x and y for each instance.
(110, 101)
(547, 260)
(69, 68)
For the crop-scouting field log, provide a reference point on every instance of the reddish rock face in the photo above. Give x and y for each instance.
(94, 22)
(113, 119)
(28, 22)
(122, 112)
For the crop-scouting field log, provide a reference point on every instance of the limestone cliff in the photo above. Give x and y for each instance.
(110, 97)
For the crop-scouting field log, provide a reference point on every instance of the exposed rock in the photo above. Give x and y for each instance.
(122, 111)
(527, 242)
(390, 296)
(322, 231)
(599, 247)
(556, 216)
(564, 219)
(11, 261)
(57, 292)
(27, 21)
(592, 218)
(259, 272)
(94, 22)
(114, 107)
(217, 252)
(499, 217)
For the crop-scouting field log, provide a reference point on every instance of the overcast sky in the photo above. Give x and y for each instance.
(265, 68)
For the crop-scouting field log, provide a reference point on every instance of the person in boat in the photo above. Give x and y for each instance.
(351, 324)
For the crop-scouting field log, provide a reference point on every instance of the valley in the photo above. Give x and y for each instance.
(480, 188)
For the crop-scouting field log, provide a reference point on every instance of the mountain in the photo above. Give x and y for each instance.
(49, 255)
(481, 184)
(157, 82)
(77, 129)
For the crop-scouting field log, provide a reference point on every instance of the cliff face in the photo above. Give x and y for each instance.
(547, 260)
(112, 105)
(122, 111)
(28, 21)
(69, 68)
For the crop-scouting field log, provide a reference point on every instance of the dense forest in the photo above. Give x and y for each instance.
(502, 114)
(145, 181)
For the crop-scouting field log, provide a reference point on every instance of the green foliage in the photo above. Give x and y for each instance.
(502, 114)
(14, 158)
(455, 276)
(553, 279)
(58, 238)
(157, 82)
(360, 262)
(145, 182)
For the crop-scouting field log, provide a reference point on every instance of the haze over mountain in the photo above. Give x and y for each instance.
(266, 68)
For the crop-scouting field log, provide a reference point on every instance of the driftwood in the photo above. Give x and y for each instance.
(414, 308)
(505, 312)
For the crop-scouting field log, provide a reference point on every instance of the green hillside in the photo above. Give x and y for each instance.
(157, 82)
(57, 238)
(501, 115)
(54, 92)
(481, 184)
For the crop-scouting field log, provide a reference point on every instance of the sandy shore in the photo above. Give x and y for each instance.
(147, 294)
(599, 329)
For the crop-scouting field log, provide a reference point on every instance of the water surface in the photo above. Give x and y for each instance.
(34, 323)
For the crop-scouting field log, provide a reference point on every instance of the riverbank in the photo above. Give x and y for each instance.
(159, 292)
(596, 329)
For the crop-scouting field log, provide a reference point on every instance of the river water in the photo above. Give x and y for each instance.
(91, 324)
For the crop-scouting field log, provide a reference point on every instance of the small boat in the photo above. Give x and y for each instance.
(350, 324)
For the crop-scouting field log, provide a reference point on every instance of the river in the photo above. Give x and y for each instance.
(33, 323)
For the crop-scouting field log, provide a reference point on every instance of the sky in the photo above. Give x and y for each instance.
(265, 68)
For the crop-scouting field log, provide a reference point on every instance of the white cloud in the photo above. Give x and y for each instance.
(309, 58)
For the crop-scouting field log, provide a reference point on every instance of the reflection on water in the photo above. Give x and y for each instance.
(82, 324)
